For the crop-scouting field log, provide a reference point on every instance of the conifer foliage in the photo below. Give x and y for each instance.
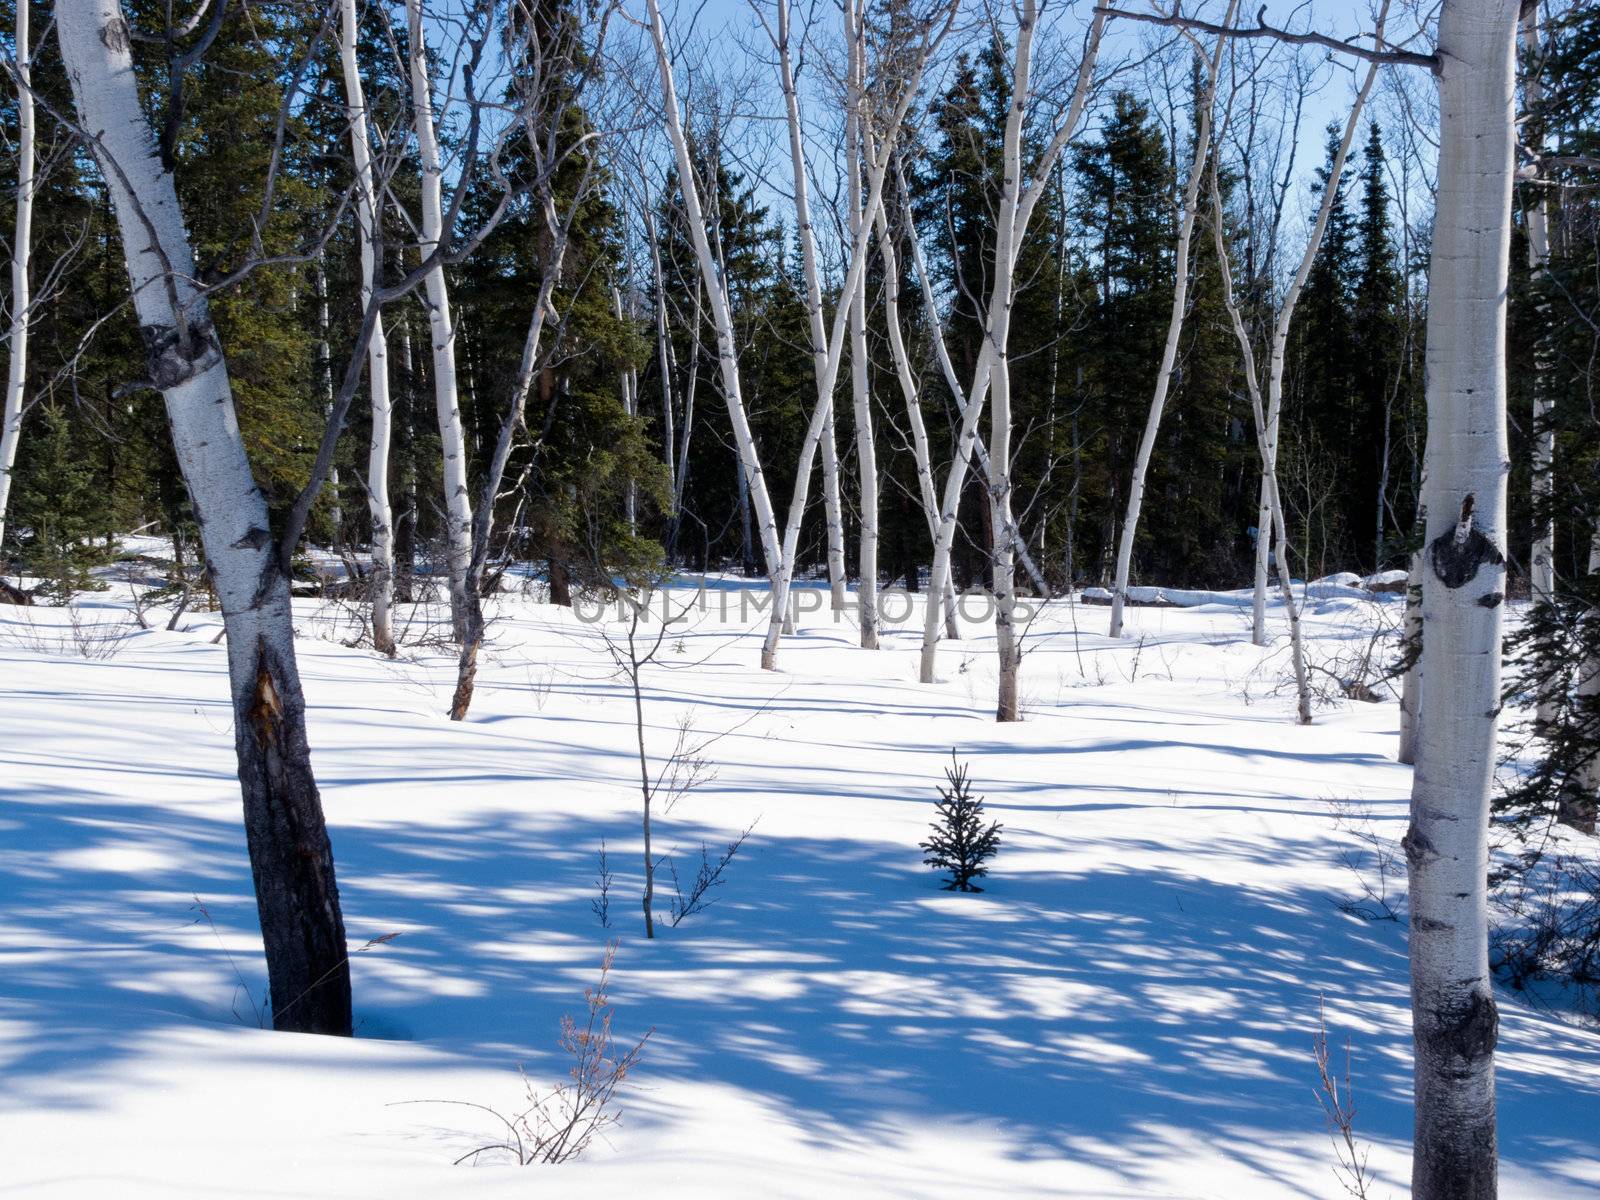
(958, 842)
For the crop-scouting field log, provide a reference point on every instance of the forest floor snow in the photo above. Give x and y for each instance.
(1128, 1010)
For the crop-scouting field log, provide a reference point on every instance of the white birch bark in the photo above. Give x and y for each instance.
(805, 234)
(669, 436)
(1273, 522)
(833, 516)
(691, 389)
(1411, 685)
(290, 855)
(1169, 352)
(860, 382)
(1016, 209)
(717, 297)
(457, 502)
(1271, 528)
(1541, 558)
(627, 383)
(829, 363)
(513, 420)
(21, 248)
(1454, 1019)
(1263, 547)
(911, 394)
(368, 215)
(914, 409)
(325, 368)
(855, 279)
(1269, 525)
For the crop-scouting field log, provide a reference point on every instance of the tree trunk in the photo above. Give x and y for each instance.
(457, 503)
(833, 515)
(1272, 500)
(560, 583)
(405, 537)
(21, 248)
(325, 370)
(368, 216)
(1580, 803)
(860, 381)
(1169, 353)
(1454, 1019)
(1541, 558)
(658, 279)
(1016, 209)
(1411, 685)
(290, 856)
(911, 394)
(721, 315)
(1263, 548)
(827, 350)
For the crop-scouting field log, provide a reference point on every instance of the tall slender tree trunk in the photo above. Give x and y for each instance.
(1169, 352)
(658, 278)
(827, 352)
(325, 370)
(1580, 804)
(997, 335)
(1273, 523)
(21, 248)
(512, 420)
(833, 515)
(752, 482)
(405, 537)
(1270, 522)
(627, 385)
(1454, 1018)
(910, 392)
(1008, 704)
(860, 380)
(1411, 685)
(1263, 546)
(1016, 210)
(290, 855)
(457, 502)
(1541, 558)
(368, 217)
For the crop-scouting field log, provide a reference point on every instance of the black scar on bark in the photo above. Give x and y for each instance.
(1457, 555)
(1465, 1032)
(255, 539)
(167, 360)
(1415, 843)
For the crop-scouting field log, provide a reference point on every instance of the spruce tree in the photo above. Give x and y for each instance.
(959, 843)
(1123, 206)
(1319, 408)
(1554, 657)
(1377, 385)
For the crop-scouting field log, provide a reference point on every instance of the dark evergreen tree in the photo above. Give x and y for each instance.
(959, 843)
(1555, 656)
(1201, 493)
(1320, 416)
(1123, 210)
(1378, 384)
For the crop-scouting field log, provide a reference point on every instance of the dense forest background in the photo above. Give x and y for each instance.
(596, 488)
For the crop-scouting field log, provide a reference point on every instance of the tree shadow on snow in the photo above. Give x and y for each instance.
(1105, 1015)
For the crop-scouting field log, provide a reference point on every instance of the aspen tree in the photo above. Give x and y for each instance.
(291, 858)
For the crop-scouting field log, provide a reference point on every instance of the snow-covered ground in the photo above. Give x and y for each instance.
(1127, 1011)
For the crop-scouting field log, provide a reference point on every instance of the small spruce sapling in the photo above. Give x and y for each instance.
(959, 843)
